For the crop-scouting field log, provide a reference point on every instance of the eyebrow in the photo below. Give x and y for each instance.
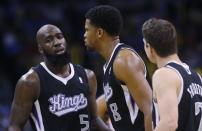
(47, 36)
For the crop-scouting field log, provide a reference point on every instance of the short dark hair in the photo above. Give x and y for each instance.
(161, 35)
(106, 17)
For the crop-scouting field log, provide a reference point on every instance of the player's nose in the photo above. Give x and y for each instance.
(57, 43)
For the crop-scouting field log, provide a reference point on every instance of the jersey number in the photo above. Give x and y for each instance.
(84, 122)
(198, 108)
(114, 110)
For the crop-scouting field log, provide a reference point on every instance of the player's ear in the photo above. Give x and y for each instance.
(100, 32)
(152, 51)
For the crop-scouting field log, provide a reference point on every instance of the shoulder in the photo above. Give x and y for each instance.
(128, 58)
(29, 82)
(127, 63)
(166, 77)
(30, 76)
(166, 74)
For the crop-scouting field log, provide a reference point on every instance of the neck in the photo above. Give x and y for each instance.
(59, 70)
(162, 61)
(107, 47)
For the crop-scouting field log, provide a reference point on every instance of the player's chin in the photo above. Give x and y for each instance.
(88, 46)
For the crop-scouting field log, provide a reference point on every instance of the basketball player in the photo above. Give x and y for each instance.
(127, 92)
(56, 94)
(177, 89)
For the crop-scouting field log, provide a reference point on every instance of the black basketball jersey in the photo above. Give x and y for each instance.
(123, 111)
(189, 99)
(63, 102)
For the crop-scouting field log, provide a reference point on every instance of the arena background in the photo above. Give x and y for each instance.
(19, 21)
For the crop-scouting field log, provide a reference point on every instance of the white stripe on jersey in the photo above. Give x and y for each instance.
(156, 113)
(145, 69)
(127, 48)
(107, 63)
(35, 122)
(63, 80)
(133, 110)
(39, 126)
(182, 84)
(109, 123)
(199, 76)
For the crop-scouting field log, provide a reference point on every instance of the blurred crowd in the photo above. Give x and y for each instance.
(20, 20)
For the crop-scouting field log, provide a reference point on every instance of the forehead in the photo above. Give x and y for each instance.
(49, 31)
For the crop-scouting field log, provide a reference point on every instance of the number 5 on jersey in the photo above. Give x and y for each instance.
(84, 122)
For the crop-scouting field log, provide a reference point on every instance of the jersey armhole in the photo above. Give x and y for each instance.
(144, 66)
(182, 83)
(199, 77)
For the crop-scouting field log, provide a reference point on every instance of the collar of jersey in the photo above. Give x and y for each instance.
(107, 63)
(61, 79)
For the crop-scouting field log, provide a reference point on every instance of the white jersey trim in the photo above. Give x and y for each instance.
(107, 64)
(199, 77)
(133, 110)
(110, 125)
(63, 80)
(39, 126)
(145, 69)
(182, 83)
(156, 113)
(35, 122)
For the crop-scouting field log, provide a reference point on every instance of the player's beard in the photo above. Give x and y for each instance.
(58, 59)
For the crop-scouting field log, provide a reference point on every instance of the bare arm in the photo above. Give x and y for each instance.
(128, 68)
(102, 108)
(26, 92)
(97, 123)
(166, 93)
(102, 111)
